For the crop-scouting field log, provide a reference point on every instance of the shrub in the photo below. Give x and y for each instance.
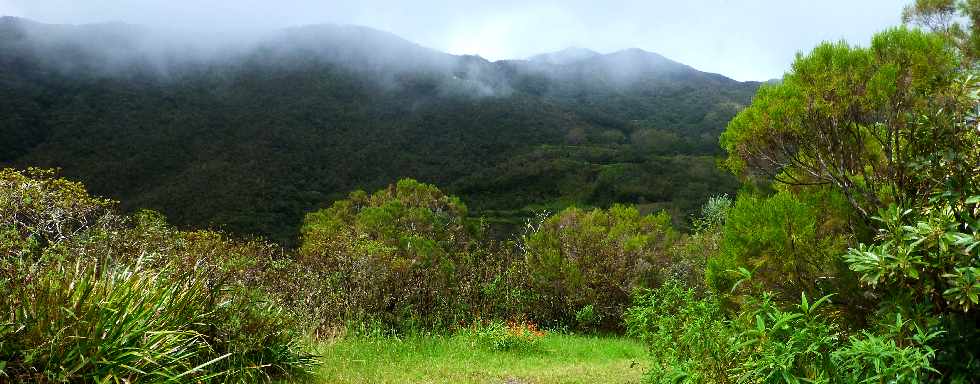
(104, 297)
(587, 319)
(868, 358)
(518, 336)
(802, 344)
(923, 266)
(777, 345)
(790, 241)
(403, 256)
(691, 253)
(691, 341)
(43, 210)
(577, 258)
(688, 337)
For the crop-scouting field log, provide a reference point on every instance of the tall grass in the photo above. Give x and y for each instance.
(90, 296)
(75, 322)
(78, 321)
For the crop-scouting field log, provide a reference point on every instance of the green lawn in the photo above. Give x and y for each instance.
(454, 359)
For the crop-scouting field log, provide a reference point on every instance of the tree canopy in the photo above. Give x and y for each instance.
(879, 123)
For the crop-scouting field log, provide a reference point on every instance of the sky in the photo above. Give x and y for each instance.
(745, 40)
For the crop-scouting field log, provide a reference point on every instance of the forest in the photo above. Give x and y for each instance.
(250, 140)
(538, 223)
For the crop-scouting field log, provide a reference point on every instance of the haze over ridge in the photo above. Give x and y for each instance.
(752, 40)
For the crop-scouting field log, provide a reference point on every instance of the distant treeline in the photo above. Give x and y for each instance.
(250, 141)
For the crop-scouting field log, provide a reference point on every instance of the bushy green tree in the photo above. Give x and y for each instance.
(946, 18)
(579, 258)
(408, 220)
(790, 242)
(854, 118)
(403, 256)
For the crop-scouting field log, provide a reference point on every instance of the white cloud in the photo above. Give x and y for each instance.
(8, 8)
(746, 39)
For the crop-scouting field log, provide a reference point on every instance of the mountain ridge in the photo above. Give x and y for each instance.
(250, 139)
(330, 34)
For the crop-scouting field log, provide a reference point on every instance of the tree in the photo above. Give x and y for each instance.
(577, 259)
(878, 123)
(403, 256)
(944, 18)
(790, 242)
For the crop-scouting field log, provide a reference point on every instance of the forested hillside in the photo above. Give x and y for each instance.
(249, 136)
(849, 255)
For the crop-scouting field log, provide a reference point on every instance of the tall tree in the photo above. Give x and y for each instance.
(882, 123)
(946, 17)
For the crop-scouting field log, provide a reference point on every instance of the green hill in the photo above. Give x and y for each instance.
(249, 136)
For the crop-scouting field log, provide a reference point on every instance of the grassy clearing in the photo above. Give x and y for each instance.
(456, 359)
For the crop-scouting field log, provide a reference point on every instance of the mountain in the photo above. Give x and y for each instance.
(566, 56)
(250, 135)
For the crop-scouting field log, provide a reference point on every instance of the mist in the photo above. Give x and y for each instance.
(744, 40)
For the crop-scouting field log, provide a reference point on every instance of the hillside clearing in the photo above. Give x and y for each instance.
(454, 359)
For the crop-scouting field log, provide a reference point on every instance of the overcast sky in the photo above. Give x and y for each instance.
(746, 40)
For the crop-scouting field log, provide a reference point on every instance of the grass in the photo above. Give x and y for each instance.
(456, 359)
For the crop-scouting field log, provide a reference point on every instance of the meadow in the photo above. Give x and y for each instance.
(557, 358)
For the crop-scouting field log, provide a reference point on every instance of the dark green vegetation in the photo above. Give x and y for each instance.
(250, 139)
(91, 296)
(850, 255)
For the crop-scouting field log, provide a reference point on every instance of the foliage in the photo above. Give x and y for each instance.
(508, 336)
(791, 242)
(692, 341)
(714, 212)
(404, 256)
(934, 255)
(253, 142)
(73, 324)
(579, 258)
(41, 210)
(876, 123)
(945, 17)
(785, 346)
(687, 336)
(102, 297)
(868, 358)
(802, 344)
(692, 253)
(587, 319)
(886, 126)
(923, 265)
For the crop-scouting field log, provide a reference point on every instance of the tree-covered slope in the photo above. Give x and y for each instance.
(249, 136)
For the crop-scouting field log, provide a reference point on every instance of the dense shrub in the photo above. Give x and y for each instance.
(691, 252)
(853, 118)
(924, 267)
(847, 132)
(791, 242)
(688, 336)
(594, 259)
(780, 345)
(93, 295)
(403, 256)
(692, 341)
